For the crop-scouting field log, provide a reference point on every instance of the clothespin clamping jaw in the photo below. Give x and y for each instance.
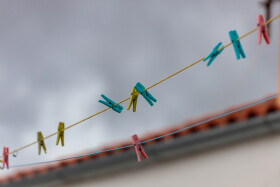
(138, 147)
(5, 157)
(60, 133)
(262, 30)
(133, 99)
(216, 51)
(41, 142)
(111, 104)
(236, 44)
(141, 89)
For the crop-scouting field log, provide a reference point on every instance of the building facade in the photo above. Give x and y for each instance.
(239, 149)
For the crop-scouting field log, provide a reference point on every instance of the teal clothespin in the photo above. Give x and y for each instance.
(141, 89)
(236, 44)
(111, 104)
(214, 53)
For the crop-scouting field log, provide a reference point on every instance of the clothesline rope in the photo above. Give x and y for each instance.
(227, 45)
(174, 132)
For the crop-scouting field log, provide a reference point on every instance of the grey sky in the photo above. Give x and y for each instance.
(58, 57)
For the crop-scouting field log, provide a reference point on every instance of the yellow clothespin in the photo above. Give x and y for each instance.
(133, 99)
(41, 142)
(60, 133)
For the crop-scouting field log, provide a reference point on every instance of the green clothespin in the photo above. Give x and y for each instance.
(133, 99)
(41, 142)
(60, 133)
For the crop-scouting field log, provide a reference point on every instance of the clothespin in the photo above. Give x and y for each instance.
(214, 54)
(133, 99)
(5, 157)
(138, 147)
(41, 142)
(60, 133)
(262, 30)
(111, 104)
(236, 44)
(141, 89)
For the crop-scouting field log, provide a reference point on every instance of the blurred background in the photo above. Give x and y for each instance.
(58, 57)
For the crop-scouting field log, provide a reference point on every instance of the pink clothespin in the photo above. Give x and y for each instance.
(262, 30)
(6, 157)
(138, 147)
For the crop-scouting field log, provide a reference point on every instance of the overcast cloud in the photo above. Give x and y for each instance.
(58, 57)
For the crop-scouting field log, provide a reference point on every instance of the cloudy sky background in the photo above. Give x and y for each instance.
(58, 57)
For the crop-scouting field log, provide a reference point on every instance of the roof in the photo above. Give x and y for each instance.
(259, 110)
